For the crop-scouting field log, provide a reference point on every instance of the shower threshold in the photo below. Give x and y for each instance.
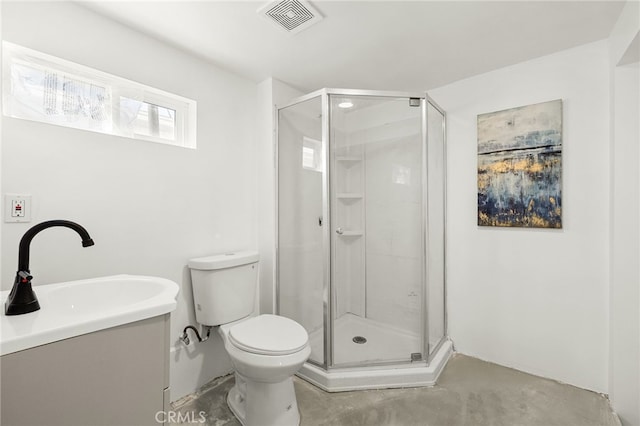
(415, 374)
(391, 376)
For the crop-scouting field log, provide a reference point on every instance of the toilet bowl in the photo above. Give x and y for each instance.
(265, 350)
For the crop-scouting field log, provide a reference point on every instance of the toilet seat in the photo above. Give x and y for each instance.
(269, 335)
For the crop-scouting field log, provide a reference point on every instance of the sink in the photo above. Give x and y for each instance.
(102, 294)
(74, 308)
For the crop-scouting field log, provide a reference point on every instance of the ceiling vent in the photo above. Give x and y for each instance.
(291, 16)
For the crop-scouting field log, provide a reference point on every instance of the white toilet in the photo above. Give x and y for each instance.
(265, 350)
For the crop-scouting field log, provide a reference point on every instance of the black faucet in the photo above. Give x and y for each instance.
(22, 299)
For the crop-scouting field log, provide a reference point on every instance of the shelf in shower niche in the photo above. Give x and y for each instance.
(349, 159)
(352, 234)
(349, 195)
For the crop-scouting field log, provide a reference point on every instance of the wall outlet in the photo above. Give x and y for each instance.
(17, 208)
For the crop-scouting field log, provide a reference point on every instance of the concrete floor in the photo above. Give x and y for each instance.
(469, 392)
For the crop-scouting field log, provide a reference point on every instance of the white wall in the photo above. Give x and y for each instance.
(1, 127)
(535, 300)
(265, 194)
(149, 207)
(624, 363)
(625, 254)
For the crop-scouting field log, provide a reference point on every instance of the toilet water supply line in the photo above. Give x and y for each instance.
(185, 336)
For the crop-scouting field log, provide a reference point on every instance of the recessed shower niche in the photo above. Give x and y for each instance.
(361, 235)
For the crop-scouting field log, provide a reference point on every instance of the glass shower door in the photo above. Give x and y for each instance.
(377, 247)
(300, 209)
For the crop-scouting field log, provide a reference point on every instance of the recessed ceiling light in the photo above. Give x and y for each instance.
(345, 104)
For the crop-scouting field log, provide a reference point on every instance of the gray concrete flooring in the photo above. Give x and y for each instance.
(469, 392)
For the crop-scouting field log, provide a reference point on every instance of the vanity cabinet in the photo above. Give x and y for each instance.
(115, 376)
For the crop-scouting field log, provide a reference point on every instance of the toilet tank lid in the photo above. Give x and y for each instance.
(224, 260)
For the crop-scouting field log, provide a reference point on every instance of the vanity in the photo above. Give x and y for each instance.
(97, 352)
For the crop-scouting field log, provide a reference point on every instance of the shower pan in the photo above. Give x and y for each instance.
(361, 235)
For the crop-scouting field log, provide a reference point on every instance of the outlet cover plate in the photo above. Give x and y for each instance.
(12, 214)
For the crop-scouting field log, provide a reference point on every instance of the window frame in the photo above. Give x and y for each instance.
(185, 108)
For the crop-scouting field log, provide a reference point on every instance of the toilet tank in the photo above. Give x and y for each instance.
(224, 286)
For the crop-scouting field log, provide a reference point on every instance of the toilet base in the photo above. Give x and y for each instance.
(264, 404)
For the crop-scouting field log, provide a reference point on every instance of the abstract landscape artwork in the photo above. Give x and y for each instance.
(520, 167)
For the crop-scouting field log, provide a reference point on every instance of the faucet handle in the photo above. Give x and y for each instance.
(25, 276)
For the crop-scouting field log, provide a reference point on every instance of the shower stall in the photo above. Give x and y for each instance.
(361, 235)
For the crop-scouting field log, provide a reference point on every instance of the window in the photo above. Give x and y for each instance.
(44, 88)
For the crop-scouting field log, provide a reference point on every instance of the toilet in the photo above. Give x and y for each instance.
(265, 350)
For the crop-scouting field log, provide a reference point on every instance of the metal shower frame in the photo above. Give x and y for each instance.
(328, 308)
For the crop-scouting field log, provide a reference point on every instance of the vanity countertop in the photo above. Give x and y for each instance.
(74, 308)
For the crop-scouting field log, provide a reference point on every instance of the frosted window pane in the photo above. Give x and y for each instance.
(49, 96)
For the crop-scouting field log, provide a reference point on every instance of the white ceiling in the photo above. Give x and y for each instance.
(389, 45)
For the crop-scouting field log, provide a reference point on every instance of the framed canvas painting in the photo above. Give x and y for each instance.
(520, 167)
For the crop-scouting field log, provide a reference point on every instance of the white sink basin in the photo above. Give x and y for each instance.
(102, 294)
(78, 307)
